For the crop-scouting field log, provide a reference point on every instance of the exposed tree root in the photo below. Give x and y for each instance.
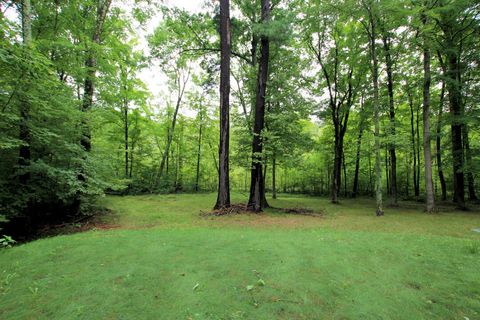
(243, 209)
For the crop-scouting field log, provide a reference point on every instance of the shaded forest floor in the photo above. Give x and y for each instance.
(159, 257)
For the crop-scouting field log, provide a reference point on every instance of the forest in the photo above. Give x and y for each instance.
(358, 98)
(259, 113)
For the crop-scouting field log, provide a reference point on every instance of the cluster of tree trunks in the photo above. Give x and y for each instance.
(257, 200)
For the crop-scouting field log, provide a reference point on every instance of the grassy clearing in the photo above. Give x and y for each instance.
(180, 211)
(166, 262)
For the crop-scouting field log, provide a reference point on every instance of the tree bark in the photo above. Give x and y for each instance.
(181, 90)
(456, 112)
(414, 149)
(223, 197)
(391, 145)
(257, 200)
(337, 165)
(91, 68)
(430, 196)
(357, 159)
(376, 111)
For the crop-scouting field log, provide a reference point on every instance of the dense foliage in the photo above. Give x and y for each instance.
(348, 84)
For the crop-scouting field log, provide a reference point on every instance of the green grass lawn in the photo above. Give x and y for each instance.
(161, 260)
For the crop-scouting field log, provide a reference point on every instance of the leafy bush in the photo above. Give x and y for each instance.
(6, 242)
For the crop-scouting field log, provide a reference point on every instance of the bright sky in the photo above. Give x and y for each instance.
(153, 76)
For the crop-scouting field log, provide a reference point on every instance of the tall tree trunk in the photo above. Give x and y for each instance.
(414, 149)
(223, 197)
(430, 196)
(376, 110)
(91, 69)
(24, 154)
(468, 162)
(256, 201)
(337, 165)
(391, 145)
(357, 160)
(169, 143)
(441, 176)
(180, 91)
(456, 112)
(199, 150)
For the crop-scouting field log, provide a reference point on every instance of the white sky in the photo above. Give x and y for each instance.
(153, 76)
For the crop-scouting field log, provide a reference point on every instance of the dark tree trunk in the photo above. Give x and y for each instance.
(357, 161)
(223, 197)
(337, 166)
(456, 112)
(257, 200)
(391, 145)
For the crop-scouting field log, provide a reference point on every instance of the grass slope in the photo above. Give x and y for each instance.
(166, 262)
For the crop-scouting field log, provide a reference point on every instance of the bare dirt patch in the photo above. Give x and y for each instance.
(95, 221)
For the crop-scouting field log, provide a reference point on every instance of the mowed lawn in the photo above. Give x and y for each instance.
(156, 257)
